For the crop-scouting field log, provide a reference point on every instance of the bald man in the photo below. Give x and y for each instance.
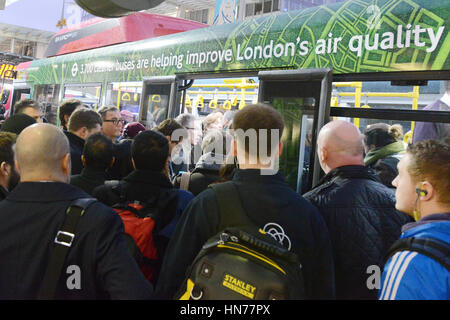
(358, 209)
(98, 264)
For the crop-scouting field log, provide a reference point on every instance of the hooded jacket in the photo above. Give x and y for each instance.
(409, 275)
(384, 161)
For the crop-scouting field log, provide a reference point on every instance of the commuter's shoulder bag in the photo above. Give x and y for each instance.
(241, 262)
(435, 249)
(62, 244)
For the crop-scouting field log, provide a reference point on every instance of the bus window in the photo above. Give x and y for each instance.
(48, 97)
(125, 96)
(206, 96)
(88, 94)
(156, 104)
(298, 116)
(390, 96)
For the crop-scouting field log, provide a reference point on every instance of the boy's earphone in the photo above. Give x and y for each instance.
(420, 193)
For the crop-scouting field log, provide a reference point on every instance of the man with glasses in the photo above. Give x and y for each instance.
(112, 122)
(112, 128)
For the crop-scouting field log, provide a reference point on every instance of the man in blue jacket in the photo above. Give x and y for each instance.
(358, 209)
(423, 185)
(98, 264)
(269, 202)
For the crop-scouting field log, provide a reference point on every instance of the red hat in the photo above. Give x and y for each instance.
(132, 129)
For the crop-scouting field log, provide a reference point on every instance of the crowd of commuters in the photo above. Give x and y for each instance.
(375, 191)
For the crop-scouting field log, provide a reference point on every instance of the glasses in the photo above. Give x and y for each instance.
(115, 121)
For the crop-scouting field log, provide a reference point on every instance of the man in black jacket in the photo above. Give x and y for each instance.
(82, 123)
(98, 264)
(9, 177)
(269, 202)
(98, 156)
(149, 184)
(358, 209)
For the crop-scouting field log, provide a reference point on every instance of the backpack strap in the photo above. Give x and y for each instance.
(230, 206)
(432, 248)
(63, 242)
(185, 179)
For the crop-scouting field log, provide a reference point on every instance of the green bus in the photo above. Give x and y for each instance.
(367, 61)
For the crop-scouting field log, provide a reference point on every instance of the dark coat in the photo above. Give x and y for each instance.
(266, 199)
(76, 150)
(363, 224)
(3, 193)
(30, 217)
(122, 165)
(88, 179)
(205, 173)
(156, 189)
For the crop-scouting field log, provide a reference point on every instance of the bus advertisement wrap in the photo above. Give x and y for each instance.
(349, 37)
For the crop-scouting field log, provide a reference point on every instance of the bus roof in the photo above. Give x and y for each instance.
(350, 37)
(100, 32)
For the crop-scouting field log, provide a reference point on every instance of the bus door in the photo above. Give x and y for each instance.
(160, 99)
(20, 92)
(302, 97)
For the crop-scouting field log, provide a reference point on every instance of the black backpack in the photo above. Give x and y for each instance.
(435, 249)
(241, 262)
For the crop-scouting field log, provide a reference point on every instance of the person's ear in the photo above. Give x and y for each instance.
(65, 165)
(166, 165)
(4, 169)
(17, 166)
(84, 132)
(233, 150)
(280, 149)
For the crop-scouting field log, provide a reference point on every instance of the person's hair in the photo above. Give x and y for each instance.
(98, 151)
(382, 134)
(259, 116)
(84, 117)
(430, 160)
(105, 109)
(150, 150)
(66, 108)
(211, 118)
(7, 140)
(185, 119)
(168, 127)
(210, 140)
(17, 122)
(20, 106)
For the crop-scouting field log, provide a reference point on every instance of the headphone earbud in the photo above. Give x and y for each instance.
(421, 192)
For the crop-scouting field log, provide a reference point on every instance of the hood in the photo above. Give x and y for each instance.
(438, 228)
(210, 161)
(380, 153)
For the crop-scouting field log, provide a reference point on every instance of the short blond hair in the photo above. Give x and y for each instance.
(212, 118)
